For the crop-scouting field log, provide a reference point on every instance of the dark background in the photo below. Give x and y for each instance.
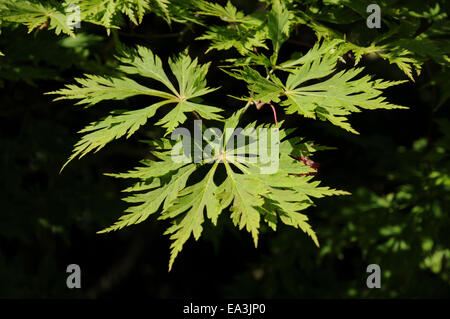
(49, 220)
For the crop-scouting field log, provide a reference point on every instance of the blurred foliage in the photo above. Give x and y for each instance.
(398, 169)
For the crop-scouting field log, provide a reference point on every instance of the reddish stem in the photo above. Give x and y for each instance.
(274, 113)
(261, 104)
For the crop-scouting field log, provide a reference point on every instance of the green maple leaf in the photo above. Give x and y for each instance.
(243, 32)
(315, 89)
(252, 193)
(336, 97)
(92, 89)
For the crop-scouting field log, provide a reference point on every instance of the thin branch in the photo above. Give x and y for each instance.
(154, 36)
(149, 36)
(274, 112)
(197, 116)
(303, 44)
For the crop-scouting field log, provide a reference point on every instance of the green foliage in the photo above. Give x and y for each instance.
(251, 193)
(34, 15)
(403, 44)
(94, 89)
(110, 13)
(322, 82)
(57, 15)
(332, 99)
(278, 24)
(243, 32)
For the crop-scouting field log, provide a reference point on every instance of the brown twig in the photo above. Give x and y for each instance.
(304, 44)
(197, 116)
(261, 104)
(154, 36)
